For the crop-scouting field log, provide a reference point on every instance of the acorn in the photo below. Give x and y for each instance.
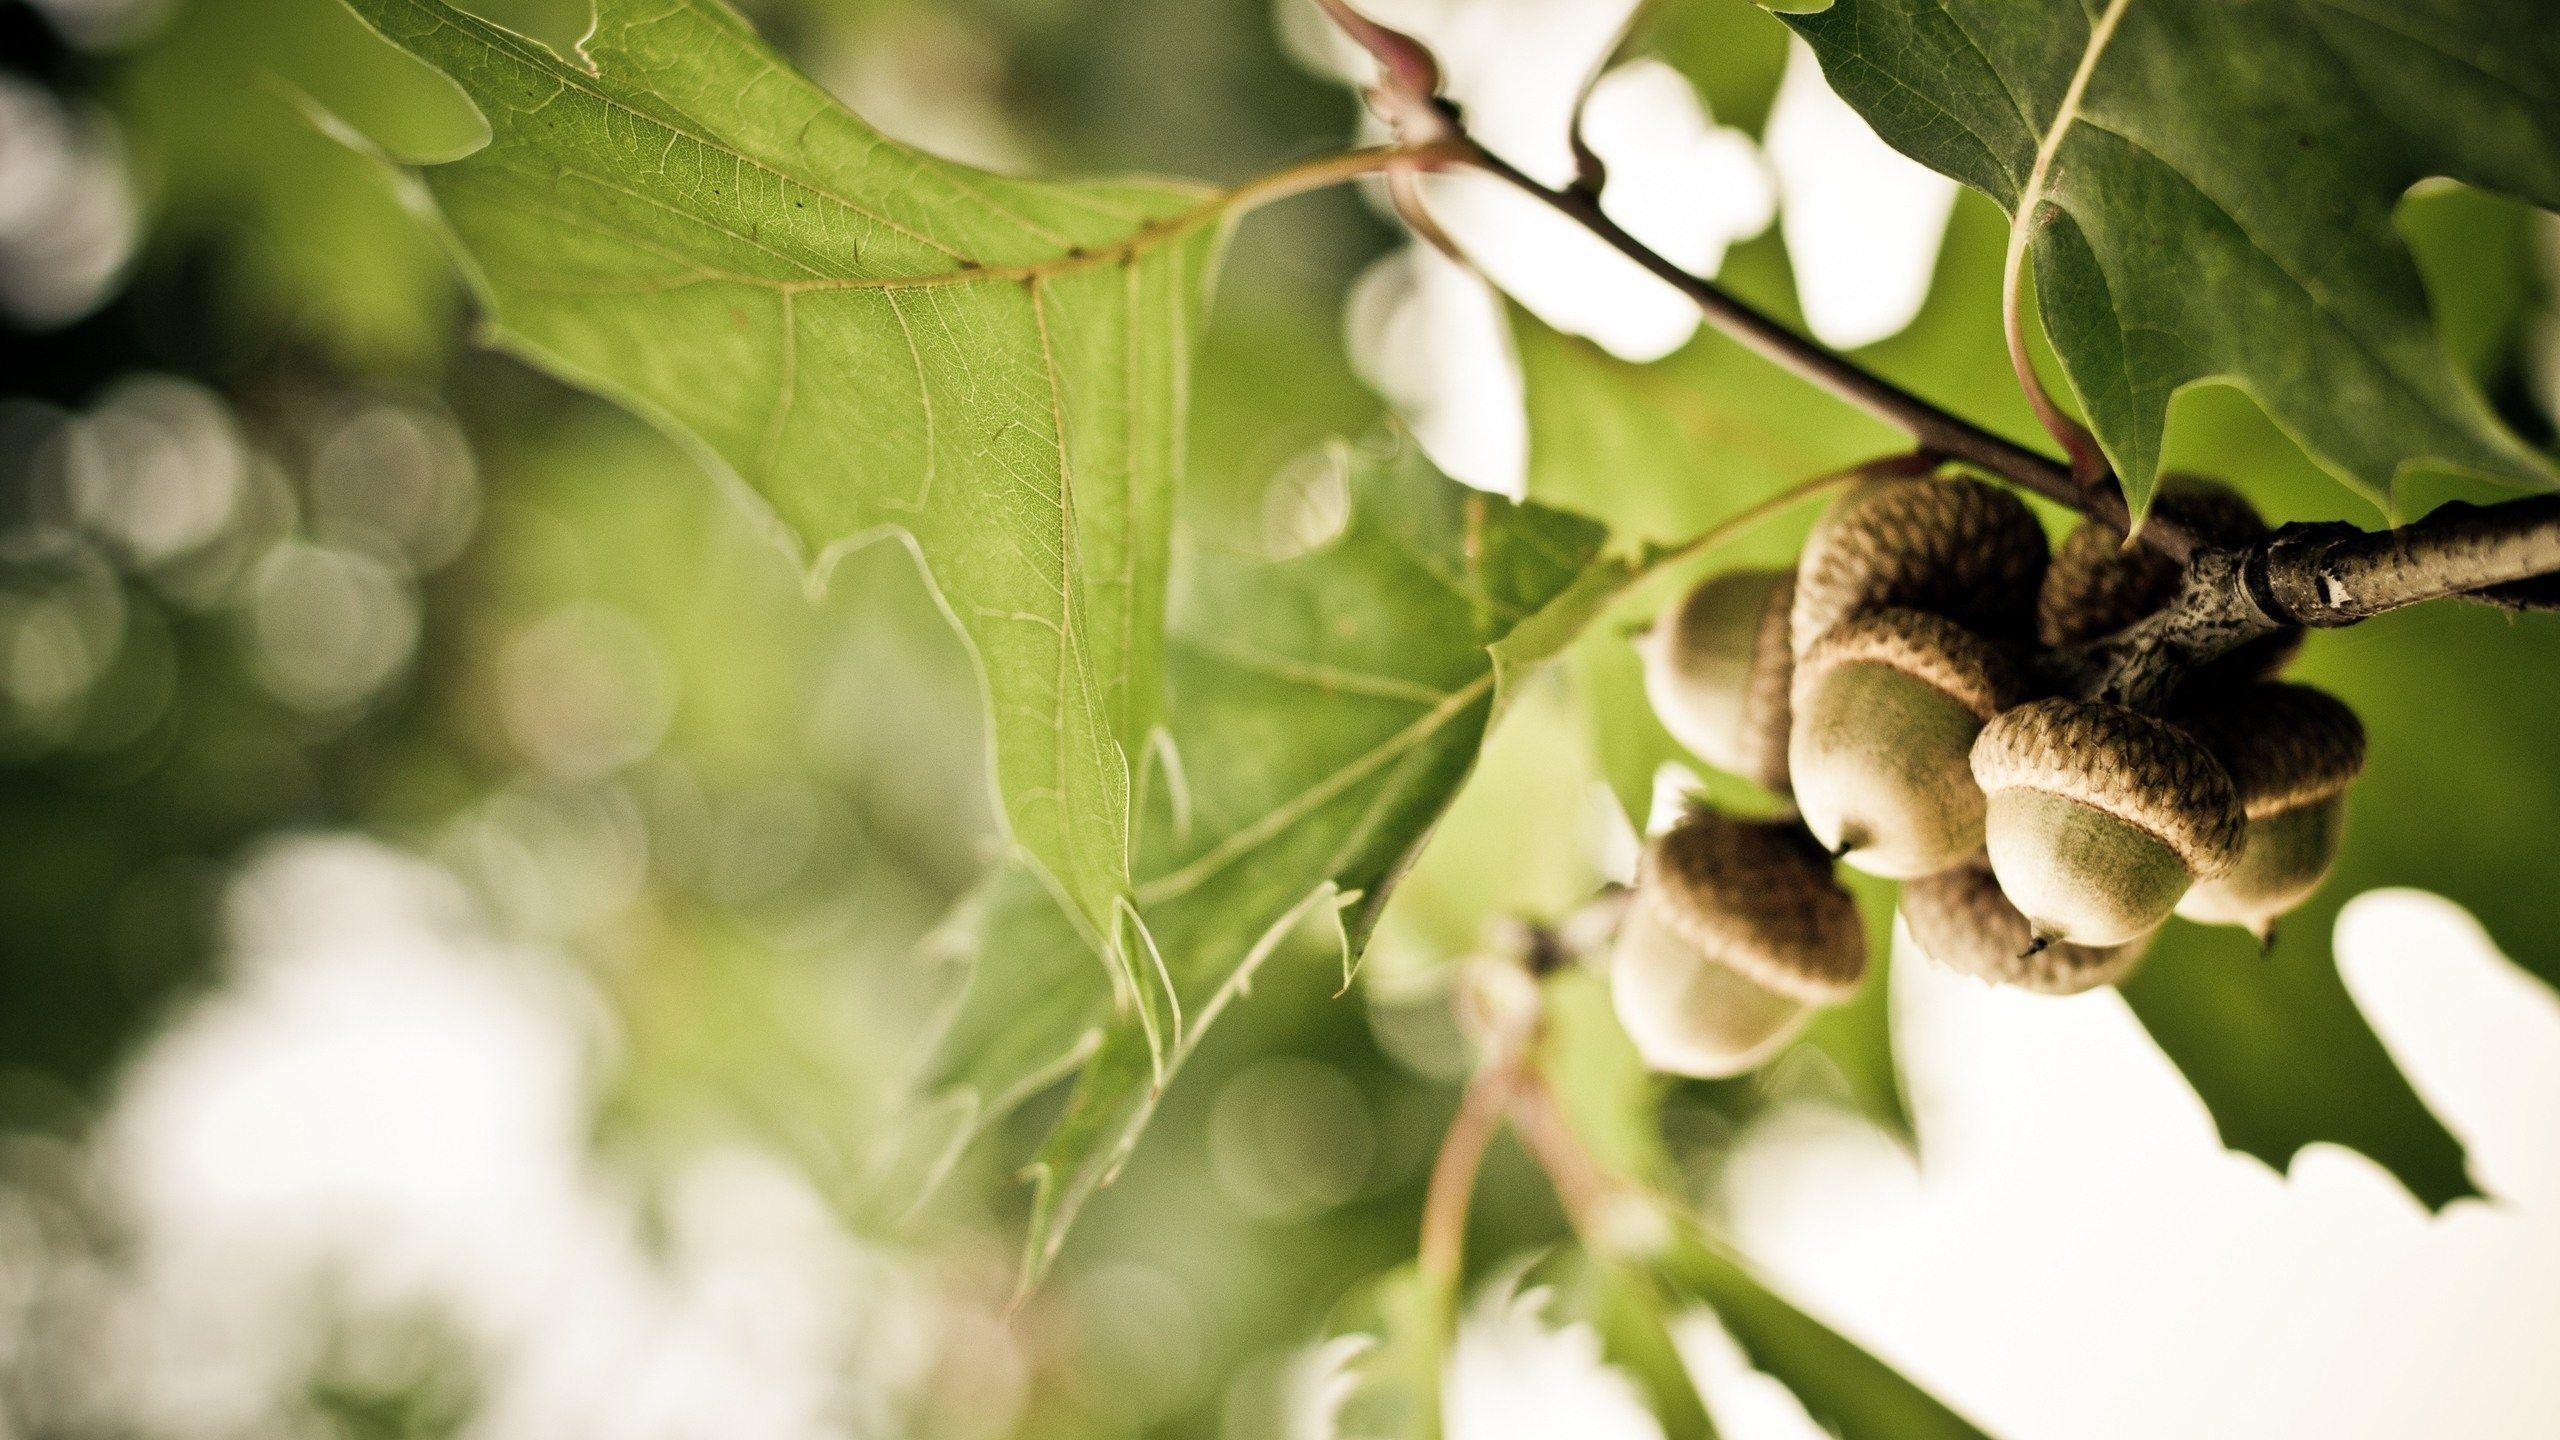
(2098, 584)
(1962, 921)
(2099, 818)
(1717, 666)
(1887, 706)
(1956, 547)
(2291, 752)
(1736, 933)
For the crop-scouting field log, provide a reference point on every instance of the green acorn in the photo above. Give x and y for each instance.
(1736, 932)
(1961, 920)
(2291, 751)
(2100, 818)
(1717, 666)
(1887, 705)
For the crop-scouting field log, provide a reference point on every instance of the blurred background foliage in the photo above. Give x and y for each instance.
(283, 556)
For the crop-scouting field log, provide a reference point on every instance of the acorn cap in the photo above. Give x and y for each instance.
(1758, 897)
(2284, 746)
(1960, 919)
(1973, 671)
(2143, 771)
(1956, 547)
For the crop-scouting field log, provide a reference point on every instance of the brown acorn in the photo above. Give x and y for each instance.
(2291, 751)
(1736, 933)
(1717, 666)
(2099, 818)
(1955, 547)
(1887, 706)
(2098, 585)
(1961, 920)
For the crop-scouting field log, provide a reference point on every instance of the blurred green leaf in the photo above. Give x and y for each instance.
(2220, 203)
(1325, 708)
(1858, 1036)
(307, 234)
(1389, 1337)
(873, 340)
(1631, 1311)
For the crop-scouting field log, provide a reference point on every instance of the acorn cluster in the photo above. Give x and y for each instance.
(1898, 687)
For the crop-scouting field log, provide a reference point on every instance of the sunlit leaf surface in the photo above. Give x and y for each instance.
(1325, 709)
(873, 340)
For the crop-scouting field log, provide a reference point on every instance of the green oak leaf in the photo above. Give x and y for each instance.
(1324, 711)
(873, 341)
(2209, 188)
(2282, 1058)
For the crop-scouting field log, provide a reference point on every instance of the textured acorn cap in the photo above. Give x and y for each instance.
(1978, 674)
(1960, 548)
(1960, 919)
(2143, 771)
(1758, 897)
(2284, 746)
(1718, 668)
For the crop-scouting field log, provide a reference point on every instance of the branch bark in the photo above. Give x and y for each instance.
(2324, 577)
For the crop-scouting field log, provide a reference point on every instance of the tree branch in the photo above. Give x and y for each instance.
(2319, 576)
(2323, 577)
(1937, 430)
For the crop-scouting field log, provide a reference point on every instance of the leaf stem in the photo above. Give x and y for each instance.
(1585, 1189)
(1453, 1174)
(1915, 462)
(1329, 170)
(1439, 1259)
(2088, 463)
